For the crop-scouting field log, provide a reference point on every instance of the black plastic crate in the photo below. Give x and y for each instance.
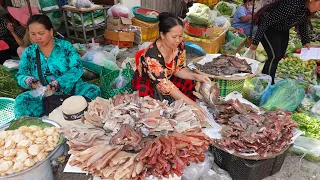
(243, 169)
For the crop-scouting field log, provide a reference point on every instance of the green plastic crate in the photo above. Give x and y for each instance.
(228, 86)
(6, 110)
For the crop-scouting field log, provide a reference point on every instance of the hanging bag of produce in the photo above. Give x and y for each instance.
(285, 95)
(250, 54)
(309, 148)
(115, 82)
(254, 88)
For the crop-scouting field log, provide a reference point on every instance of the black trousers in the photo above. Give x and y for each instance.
(275, 43)
(9, 53)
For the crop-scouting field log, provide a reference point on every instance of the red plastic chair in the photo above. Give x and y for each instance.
(138, 55)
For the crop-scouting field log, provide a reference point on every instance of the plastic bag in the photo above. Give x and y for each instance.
(120, 81)
(314, 93)
(222, 21)
(12, 64)
(309, 148)
(316, 108)
(100, 57)
(144, 45)
(306, 105)
(199, 14)
(83, 4)
(285, 95)
(254, 88)
(120, 10)
(196, 171)
(40, 91)
(251, 54)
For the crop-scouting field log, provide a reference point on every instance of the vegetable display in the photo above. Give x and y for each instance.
(199, 14)
(310, 125)
(224, 9)
(295, 68)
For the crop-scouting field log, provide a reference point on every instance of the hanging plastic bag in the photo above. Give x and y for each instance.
(196, 171)
(285, 95)
(254, 88)
(251, 54)
(119, 82)
(120, 10)
(309, 148)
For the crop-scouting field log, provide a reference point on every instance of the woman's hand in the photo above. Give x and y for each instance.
(307, 45)
(50, 90)
(10, 27)
(201, 78)
(36, 84)
(202, 113)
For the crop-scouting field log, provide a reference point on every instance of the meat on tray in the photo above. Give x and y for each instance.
(225, 65)
(246, 131)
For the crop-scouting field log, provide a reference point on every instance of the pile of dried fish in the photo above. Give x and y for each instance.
(245, 131)
(83, 136)
(149, 115)
(108, 161)
(207, 92)
(169, 155)
(127, 137)
(225, 65)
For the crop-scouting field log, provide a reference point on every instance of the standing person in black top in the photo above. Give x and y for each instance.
(12, 35)
(274, 22)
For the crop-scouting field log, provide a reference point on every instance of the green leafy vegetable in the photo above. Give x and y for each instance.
(28, 121)
(311, 125)
(224, 9)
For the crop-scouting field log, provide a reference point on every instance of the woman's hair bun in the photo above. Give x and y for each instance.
(164, 15)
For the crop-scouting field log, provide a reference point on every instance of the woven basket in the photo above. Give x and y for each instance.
(141, 13)
(6, 111)
(108, 77)
(208, 2)
(227, 85)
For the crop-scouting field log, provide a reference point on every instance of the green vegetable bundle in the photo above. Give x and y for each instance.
(310, 125)
(294, 68)
(224, 9)
(8, 85)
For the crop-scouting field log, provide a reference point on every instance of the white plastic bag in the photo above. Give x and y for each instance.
(250, 54)
(144, 45)
(316, 108)
(308, 147)
(12, 64)
(120, 81)
(40, 91)
(196, 171)
(120, 10)
(103, 58)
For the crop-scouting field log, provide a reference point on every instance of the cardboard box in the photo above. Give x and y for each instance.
(115, 23)
(120, 44)
(206, 33)
(119, 36)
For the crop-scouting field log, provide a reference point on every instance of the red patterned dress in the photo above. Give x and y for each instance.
(153, 74)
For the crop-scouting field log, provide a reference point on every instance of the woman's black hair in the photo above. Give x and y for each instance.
(168, 21)
(244, 1)
(41, 19)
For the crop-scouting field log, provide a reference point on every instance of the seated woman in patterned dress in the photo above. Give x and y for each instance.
(60, 64)
(162, 71)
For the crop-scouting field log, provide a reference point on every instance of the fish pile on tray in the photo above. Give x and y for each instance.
(153, 117)
(246, 131)
(170, 154)
(82, 136)
(225, 65)
(108, 161)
